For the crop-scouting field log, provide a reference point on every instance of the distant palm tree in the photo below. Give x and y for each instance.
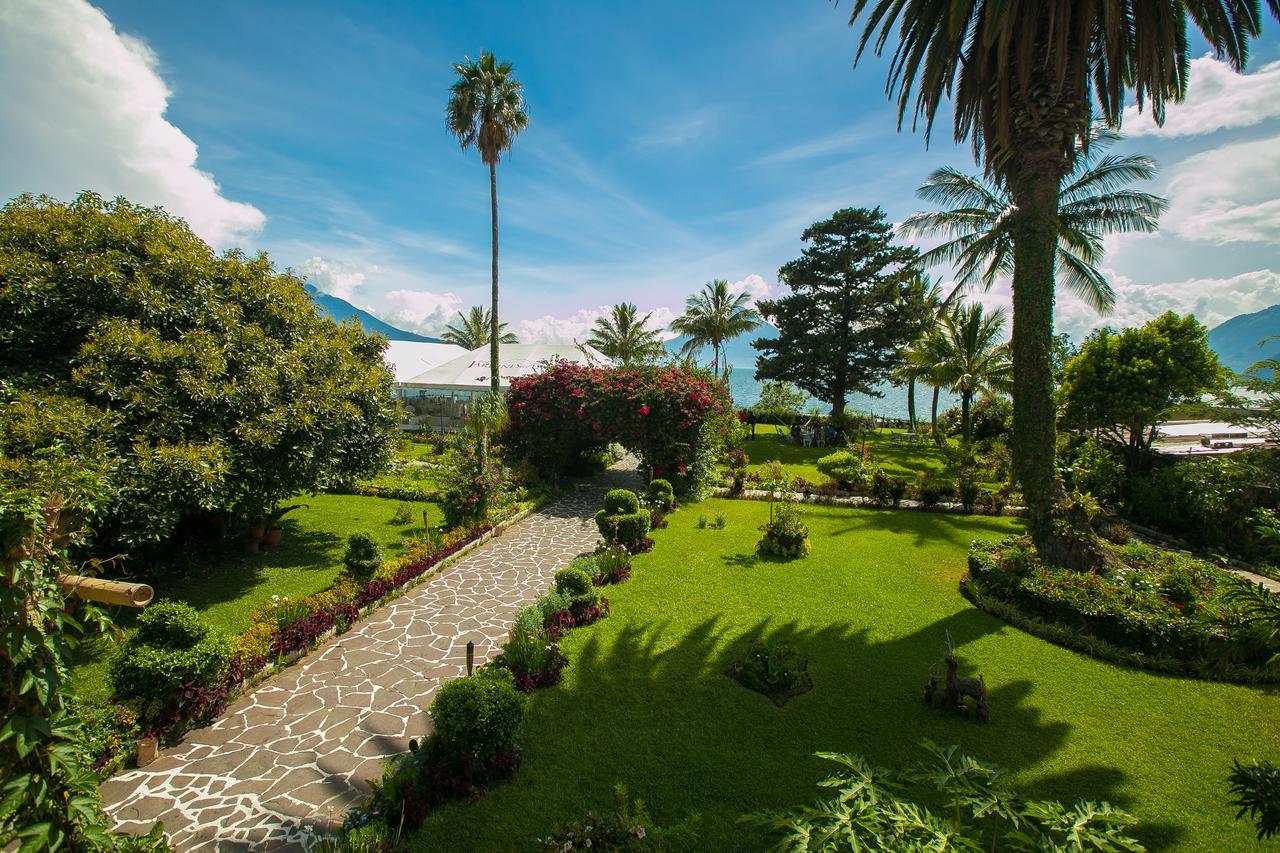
(626, 337)
(967, 354)
(486, 109)
(474, 328)
(713, 316)
(977, 217)
(927, 293)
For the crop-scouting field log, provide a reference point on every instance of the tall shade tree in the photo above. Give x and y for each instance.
(967, 354)
(976, 216)
(473, 329)
(1025, 81)
(842, 327)
(926, 295)
(625, 336)
(486, 110)
(713, 316)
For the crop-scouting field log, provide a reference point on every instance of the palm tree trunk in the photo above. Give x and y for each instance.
(493, 329)
(933, 415)
(965, 398)
(911, 403)
(1035, 236)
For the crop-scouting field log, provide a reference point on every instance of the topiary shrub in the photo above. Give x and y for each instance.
(174, 624)
(623, 520)
(775, 669)
(478, 716)
(845, 467)
(363, 556)
(172, 647)
(661, 493)
(622, 501)
(573, 582)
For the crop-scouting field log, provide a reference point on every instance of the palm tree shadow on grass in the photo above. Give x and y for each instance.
(660, 714)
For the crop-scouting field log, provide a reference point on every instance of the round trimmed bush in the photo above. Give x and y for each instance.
(363, 556)
(573, 582)
(154, 673)
(627, 529)
(478, 715)
(660, 492)
(173, 624)
(621, 502)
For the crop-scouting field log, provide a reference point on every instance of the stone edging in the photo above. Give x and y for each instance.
(858, 501)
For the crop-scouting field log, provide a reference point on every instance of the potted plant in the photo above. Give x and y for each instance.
(270, 536)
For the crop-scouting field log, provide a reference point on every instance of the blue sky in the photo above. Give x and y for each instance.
(669, 143)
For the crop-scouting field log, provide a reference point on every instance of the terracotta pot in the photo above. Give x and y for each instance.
(148, 749)
(272, 537)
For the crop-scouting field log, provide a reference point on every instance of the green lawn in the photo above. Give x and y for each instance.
(898, 458)
(646, 702)
(226, 583)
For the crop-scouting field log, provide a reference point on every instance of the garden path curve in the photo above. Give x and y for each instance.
(295, 754)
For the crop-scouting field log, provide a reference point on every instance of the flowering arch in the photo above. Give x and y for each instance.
(665, 415)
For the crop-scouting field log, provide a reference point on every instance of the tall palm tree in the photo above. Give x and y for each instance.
(625, 336)
(977, 215)
(473, 329)
(967, 353)
(486, 109)
(1025, 80)
(927, 294)
(713, 316)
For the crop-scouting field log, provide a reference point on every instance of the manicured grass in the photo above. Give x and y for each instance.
(226, 583)
(898, 458)
(646, 701)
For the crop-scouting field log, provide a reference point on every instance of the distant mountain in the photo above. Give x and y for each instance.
(341, 309)
(1236, 340)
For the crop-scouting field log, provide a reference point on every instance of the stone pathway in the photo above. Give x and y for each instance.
(295, 753)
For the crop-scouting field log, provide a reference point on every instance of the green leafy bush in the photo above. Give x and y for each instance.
(1256, 791)
(785, 533)
(661, 493)
(1096, 469)
(573, 582)
(478, 715)
(870, 812)
(932, 492)
(967, 490)
(405, 513)
(623, 520)
(154, 674)
(621, 502)
(108, 735)
(363, 556)
(844, 466)
(776, 669)
(887, 490)
(173, 624)
(627, 828)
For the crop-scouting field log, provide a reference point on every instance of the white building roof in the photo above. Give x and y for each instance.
(470, 372)
(409, 358)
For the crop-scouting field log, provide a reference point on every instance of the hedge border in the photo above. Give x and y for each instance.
(861, 501)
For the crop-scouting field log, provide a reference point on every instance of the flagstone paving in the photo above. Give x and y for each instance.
(295, 754)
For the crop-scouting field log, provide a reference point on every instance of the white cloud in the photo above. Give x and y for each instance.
(422, 311)
(333, 277)
(83, 107)
(754, 286)
(549, 329)
(1217, 98)
(681, 130)
(1228, 194)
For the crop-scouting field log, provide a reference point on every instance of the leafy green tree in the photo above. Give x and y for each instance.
(486, 110)
(780, 401)
(713, 316)
(625, 336)
(966, 353)
(1025, 81)
(849, 313)
(207, 386)
(1263, 379)
(977, 217)
(472, 329)
(1123, 384)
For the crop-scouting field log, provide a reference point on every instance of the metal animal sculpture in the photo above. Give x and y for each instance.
(959, 687)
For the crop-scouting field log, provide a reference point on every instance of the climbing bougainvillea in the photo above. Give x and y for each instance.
(659, 413)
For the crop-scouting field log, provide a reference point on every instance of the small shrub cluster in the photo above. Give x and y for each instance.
(610, 564)
(363, 556)
(1160, 610)
(717, 522)
(887, 490)
(530, 654)
(848, 468)
(785, 533)
(627, 828)
(473, 746)
(108, 735)
(775, 669)
(172, 649)
(624, 521)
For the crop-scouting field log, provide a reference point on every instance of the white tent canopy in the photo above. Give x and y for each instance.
(409, 358)
(470, 372)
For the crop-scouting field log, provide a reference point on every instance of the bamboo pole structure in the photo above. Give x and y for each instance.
(107, 592)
